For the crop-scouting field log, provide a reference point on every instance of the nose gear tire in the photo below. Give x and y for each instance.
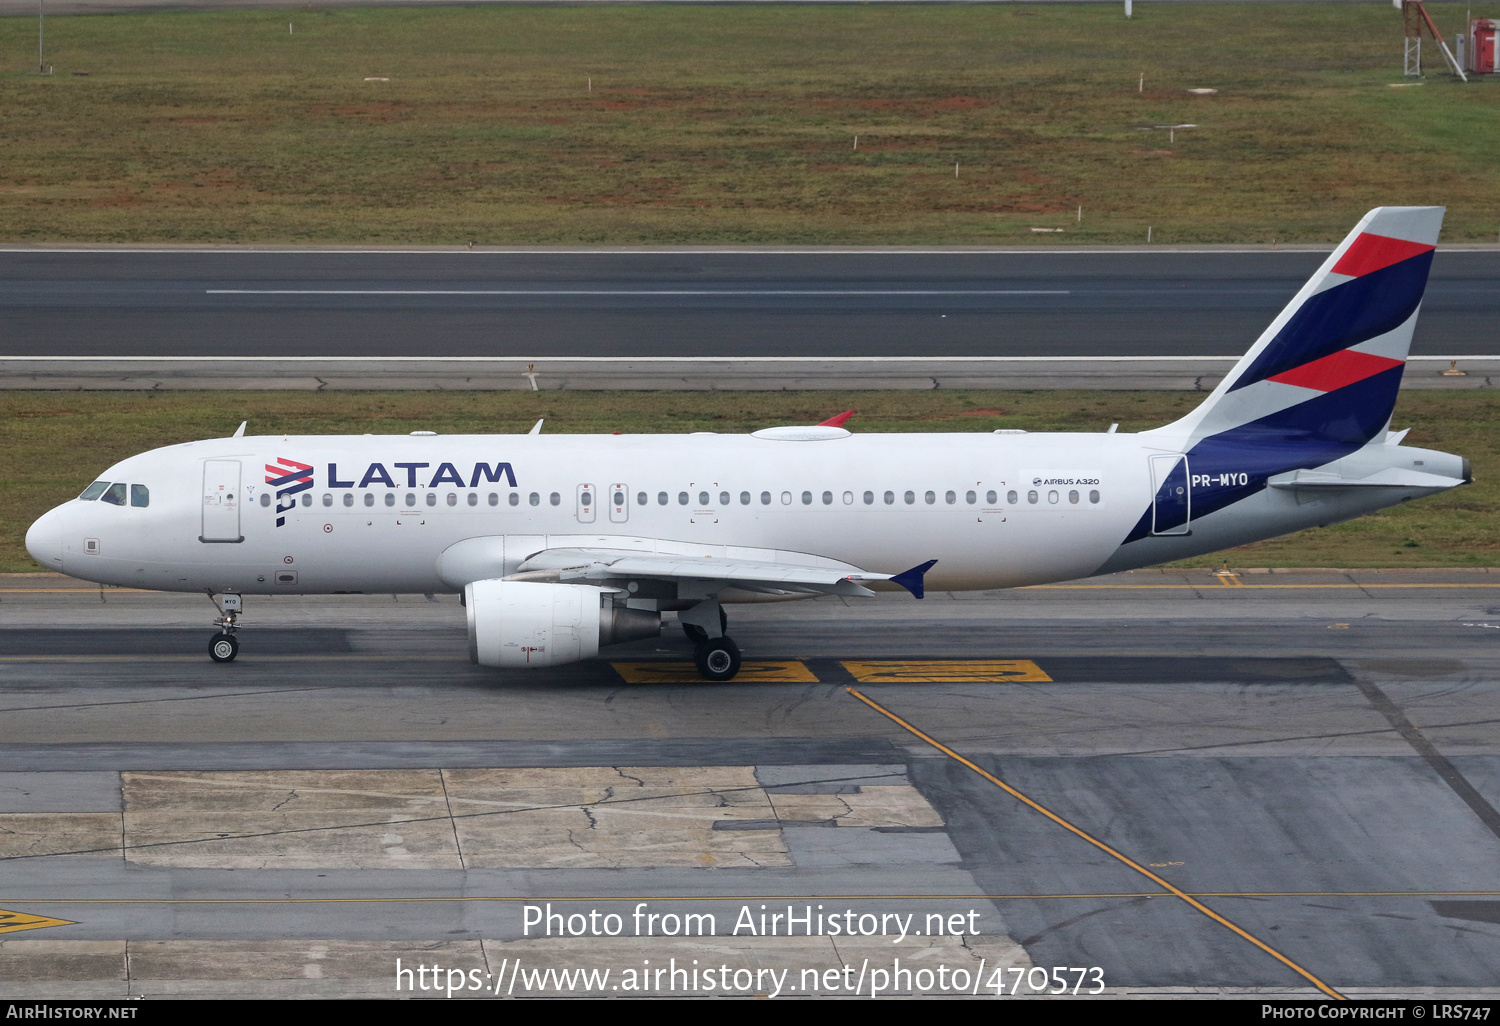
(222, 648)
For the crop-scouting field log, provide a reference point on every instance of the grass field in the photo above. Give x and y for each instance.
(736, 125)
(56, 442)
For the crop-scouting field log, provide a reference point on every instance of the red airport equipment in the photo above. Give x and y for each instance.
(1483, 51)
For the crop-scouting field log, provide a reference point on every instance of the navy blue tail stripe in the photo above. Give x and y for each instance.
(1356, 311)
(1307, 435)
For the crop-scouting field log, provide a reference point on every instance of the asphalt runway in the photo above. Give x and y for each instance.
(1310, 756)
(687, 303)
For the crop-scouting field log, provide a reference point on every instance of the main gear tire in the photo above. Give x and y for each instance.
(718, 660)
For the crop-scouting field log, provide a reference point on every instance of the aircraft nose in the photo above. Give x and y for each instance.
(45, 540)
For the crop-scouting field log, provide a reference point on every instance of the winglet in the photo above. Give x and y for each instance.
(536, 428)
(837, 421)
(911, 579)
(239, 432)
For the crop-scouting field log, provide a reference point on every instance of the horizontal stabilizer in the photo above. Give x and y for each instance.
(1392, 477)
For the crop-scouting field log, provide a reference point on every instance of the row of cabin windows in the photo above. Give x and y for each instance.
(929, 498)
(115, 493)
(472, 499)
(888, 498)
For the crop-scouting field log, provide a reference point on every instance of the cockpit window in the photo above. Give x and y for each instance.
(114, 494)
(94, 490)
(140, 495)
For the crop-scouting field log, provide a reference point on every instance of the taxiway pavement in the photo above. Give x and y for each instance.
(1310, 755)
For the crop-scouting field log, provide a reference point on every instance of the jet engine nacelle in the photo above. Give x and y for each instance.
(520, 623)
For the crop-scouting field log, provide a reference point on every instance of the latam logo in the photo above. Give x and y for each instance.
(446, 473)
(288, 477)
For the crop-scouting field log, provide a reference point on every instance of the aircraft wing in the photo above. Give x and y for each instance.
(604, 565)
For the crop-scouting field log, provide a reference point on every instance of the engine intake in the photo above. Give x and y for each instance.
(521, 623)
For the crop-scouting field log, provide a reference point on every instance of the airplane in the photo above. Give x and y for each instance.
(563, 544)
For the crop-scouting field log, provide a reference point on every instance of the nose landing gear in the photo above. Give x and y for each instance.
(224, 646)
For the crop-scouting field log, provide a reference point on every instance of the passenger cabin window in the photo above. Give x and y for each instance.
(1094, 496)
(661, 498)
(390, 498)
(307, 498)
(682, 498)
(640, 498)
(992, 498)
(473, 498)
(555, 499)
(348, 498)
(723, 498)
(1010, 497)
(1031, 497)
(702, 498)
(534, 499)
(910, 497)
(848, 498)
(930, 498)
(890, 497)
(114, 495)
(807, 498)
(265, 499)
(744, 498)
(140, 495)
(327, 499)
(1073, 497)
(369, 499)
(786, 498)
(432, 498)
(515, 498)
(94, 490)
(828, 498)
(494, 498)
(869, 498)
(765, 498)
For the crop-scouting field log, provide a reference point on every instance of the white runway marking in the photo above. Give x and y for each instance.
(637, 292)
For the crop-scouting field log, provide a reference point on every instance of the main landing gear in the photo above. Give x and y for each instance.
(716, 655)
(224, 646)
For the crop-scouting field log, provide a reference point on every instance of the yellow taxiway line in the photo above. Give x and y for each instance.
(1090, 838)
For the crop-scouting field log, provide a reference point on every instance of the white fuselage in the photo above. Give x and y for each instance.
(995, 510)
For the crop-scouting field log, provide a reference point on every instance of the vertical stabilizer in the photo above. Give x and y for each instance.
(1328, 367)
(1319, 384)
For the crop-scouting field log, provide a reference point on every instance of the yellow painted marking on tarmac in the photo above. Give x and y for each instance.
(15, 922)
(760, 672)
(947, 671)
(1090, 838)
(1119, 895)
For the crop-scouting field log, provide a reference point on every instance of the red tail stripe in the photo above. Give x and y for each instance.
(1373, 252)
(1337, 370)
